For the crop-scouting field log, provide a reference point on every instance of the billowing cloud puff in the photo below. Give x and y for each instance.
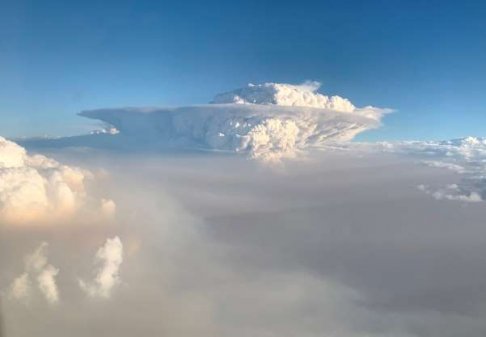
(39, 270)
(36, 189)
(108, 260)
(269, 121)
(285, 95)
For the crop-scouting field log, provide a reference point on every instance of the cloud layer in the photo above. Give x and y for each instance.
(464, 156)
(340, 244)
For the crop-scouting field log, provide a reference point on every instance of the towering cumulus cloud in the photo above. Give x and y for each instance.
(37, 189)
(269, 121)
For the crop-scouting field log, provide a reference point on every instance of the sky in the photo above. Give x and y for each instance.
(424, 59)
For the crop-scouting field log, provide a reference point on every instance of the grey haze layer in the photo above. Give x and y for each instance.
(342, 243)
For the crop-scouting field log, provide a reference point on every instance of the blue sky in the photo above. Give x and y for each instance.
(426, 59)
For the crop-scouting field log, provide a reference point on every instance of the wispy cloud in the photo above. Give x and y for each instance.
(108, 260)
(37, 269)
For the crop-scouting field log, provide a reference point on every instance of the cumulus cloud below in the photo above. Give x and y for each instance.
(35, 189)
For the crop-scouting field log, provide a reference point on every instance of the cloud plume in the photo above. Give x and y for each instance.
(108, 260)
(39, 270)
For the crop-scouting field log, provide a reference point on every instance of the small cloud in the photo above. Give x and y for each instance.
(21, 288)
(108, 260)
(47, 284)
(36, 267)
(108, 208)
(452, 192)
(441, 164)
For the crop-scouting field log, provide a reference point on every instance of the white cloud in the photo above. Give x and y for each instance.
(36, 261)
(108, 208)
(272, 139)
(36, 267)
(451, 192)
(440, 164)
(108, 258)
(35, 189)
(47, 283)
(303, 95)
(268, 121)
(11, 155)
(21, 287)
